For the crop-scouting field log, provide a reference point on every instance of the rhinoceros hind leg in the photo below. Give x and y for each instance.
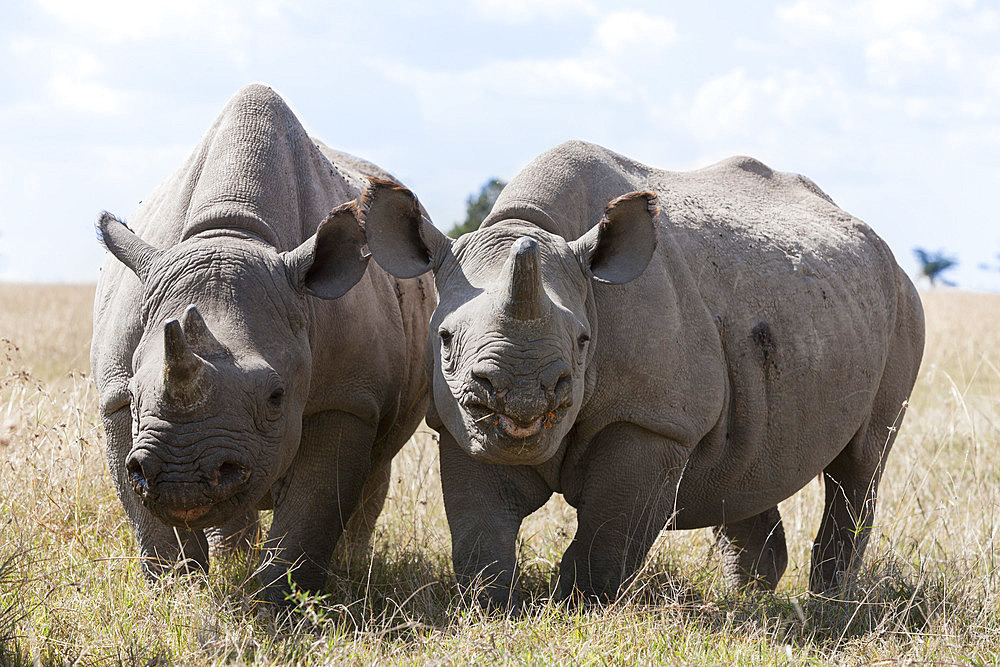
(851, 482)
(853, 477)
(753, 551)
(843, 532)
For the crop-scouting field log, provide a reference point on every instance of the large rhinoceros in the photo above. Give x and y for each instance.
(224, 386)
(764, 336)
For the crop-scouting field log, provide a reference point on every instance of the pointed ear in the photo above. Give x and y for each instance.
(330, 262)
(618, 248)
(122, 242)
(400, 238)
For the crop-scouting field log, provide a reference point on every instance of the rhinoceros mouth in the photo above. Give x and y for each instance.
(489, 421)
(495, 437)
(196, 516)
(187, 516)
(517, 430)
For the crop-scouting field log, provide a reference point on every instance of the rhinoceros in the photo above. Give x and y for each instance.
(225, 387)
(665, 349)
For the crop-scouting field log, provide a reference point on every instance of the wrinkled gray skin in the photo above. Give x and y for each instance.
(226, 386)
(684, 367)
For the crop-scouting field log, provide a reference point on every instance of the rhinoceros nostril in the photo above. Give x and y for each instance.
(141, 467)
(138, 479)
(228, 477)
(563, 392)
(483, 382)
(486, 392)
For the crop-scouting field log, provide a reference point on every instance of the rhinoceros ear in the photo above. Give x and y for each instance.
(122, 242)
(330, 262)
(400, 238)
(618, 248)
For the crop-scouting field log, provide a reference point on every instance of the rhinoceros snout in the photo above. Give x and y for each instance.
(171, 487)
(522, 403)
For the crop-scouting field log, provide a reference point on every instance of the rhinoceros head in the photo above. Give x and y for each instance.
(221, 373)
(511, 336)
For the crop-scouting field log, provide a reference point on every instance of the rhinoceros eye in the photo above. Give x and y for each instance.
(446, 340)
(447, 345)
(276, 398)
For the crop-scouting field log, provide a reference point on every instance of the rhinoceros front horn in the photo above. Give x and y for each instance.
(523, 297)
(182, 368)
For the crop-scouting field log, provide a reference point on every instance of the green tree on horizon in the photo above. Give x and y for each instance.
(933, 264)
(478, 207)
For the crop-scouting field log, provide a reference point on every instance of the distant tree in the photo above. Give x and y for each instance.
(933, 264)
(478, 207)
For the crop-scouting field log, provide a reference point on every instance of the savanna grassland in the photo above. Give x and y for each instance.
(71, 591)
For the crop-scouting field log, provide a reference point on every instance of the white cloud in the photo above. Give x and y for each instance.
(623, 32)
(73, 83)
(523, 11)
(69, 78)
(867, 18)
(228, 23)
(890, 15)
(124, 20)
(731, 105)
(936, 109)
(975, 138)
(897, 54)
(85, 96)
(493, 84)
(904, 42)
(721, 105)
(620, 46)
(989, 69)
(74, 56)
(808, 16)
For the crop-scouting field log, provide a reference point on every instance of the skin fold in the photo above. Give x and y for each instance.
(667, 350)
(247, 354)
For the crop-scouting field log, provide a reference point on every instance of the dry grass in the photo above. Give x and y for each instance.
(71, 592)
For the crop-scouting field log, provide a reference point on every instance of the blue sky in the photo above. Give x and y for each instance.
(891, 106)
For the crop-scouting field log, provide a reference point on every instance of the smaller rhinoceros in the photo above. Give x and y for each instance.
(225, 386)
(686, 366)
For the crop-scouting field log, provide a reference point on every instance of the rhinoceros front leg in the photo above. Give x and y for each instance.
(355, 543)
(313, 502)
(627, 494)
(753, 550)
(238, 534)
(162, 549)
(485, 505)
